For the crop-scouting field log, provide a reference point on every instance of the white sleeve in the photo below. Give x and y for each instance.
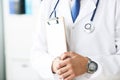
(110, 64)
(41, 61)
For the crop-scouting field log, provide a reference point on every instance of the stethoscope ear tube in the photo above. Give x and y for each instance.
(54, 10)
(94, 11)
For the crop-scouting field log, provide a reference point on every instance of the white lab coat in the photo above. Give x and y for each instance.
(102, 45)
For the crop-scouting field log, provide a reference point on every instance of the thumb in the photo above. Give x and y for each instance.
(66, 55)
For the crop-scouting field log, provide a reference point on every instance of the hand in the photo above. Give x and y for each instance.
(71, 65)
(55, 64)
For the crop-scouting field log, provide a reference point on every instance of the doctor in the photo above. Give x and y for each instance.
(93, 40)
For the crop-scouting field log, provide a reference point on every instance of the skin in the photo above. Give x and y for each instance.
(70, 65)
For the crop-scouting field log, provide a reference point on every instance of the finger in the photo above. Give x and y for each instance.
(65, 55)
(55, 64)
(66, 74)
(62, 70)
(71, 77)
(63, 63)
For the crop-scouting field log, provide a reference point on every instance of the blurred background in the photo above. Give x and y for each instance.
(17, 24)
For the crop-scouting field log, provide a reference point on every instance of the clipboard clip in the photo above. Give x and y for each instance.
(53, 21)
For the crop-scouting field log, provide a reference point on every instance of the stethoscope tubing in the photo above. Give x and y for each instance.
(54, 10)
(94, 11)
(92, 18)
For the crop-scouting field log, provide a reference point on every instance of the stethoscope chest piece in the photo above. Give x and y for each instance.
(89, 28)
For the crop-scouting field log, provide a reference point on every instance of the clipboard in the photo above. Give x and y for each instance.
(56, 36)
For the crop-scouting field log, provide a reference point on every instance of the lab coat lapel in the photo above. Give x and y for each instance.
(87, 6)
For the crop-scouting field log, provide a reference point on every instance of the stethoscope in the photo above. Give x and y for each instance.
(88, 27)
